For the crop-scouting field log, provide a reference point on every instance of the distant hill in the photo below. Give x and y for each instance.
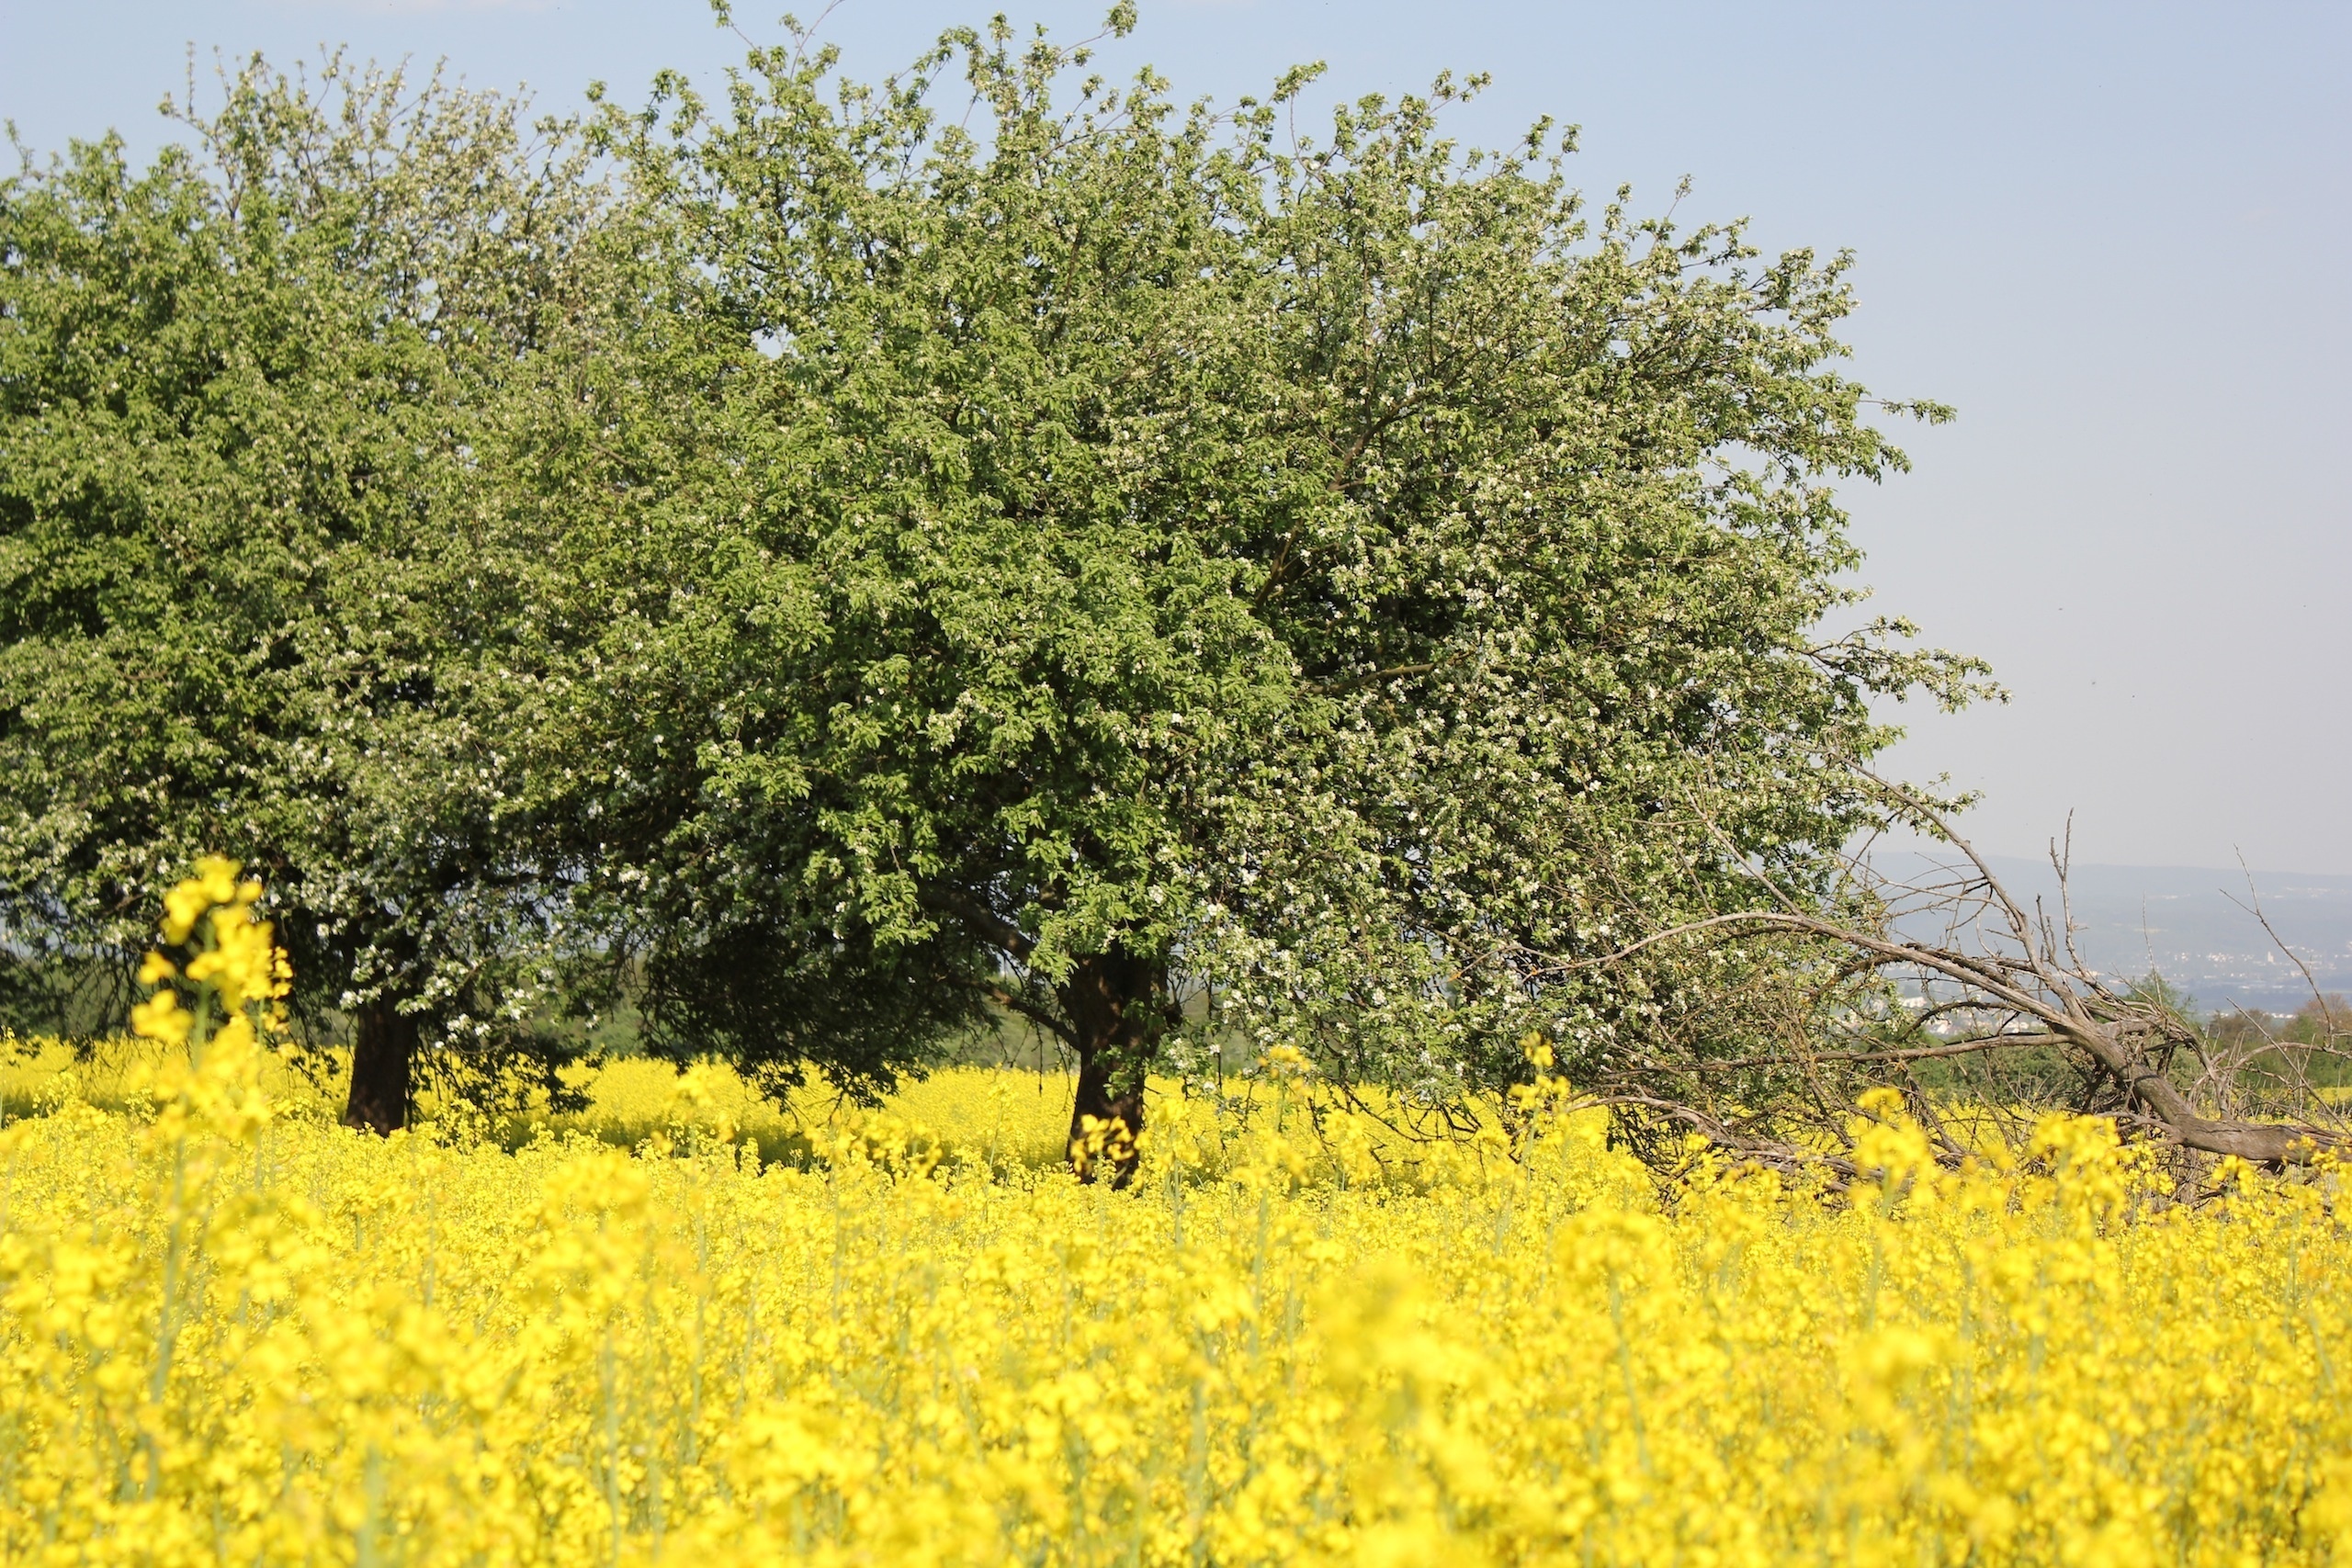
(2180, 921)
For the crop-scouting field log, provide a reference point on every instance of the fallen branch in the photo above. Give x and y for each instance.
(2032, 973)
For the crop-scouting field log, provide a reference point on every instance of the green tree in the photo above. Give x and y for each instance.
(1058, 554)
(239, 396)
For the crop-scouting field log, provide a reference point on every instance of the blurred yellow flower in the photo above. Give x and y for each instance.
(232, 1331)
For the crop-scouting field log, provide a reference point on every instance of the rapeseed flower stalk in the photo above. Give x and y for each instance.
(229, 1333)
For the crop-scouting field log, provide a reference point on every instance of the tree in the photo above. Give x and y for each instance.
(1125, 548)
(238, 394)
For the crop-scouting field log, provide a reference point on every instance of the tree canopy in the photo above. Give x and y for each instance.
(987, 543)
(1129, 551)
(238, 394)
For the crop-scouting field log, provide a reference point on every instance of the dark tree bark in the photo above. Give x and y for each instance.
(1117, 1008)
(383, 1047)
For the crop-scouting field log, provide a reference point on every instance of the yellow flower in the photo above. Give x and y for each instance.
(231, 1330)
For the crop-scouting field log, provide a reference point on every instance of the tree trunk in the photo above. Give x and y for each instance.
(1117, 1004)
(383, 1045)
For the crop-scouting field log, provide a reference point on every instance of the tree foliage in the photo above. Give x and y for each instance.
(1129, 547)
(238, 397)
(987, 543)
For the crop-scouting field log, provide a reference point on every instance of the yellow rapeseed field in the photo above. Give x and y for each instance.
(237, 1334)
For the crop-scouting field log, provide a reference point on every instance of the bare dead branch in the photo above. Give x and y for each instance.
(2030, 977)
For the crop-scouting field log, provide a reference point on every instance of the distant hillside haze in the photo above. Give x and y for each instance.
(2181, 922)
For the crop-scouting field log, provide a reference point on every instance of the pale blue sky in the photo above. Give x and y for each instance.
(2115, 236)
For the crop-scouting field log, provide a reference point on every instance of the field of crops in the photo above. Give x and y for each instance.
(235, 1333)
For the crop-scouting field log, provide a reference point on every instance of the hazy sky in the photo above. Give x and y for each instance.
(2115, 236)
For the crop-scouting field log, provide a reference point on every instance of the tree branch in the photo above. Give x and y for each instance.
(998, 930)
(1012, 1001)
(2061, 1007)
